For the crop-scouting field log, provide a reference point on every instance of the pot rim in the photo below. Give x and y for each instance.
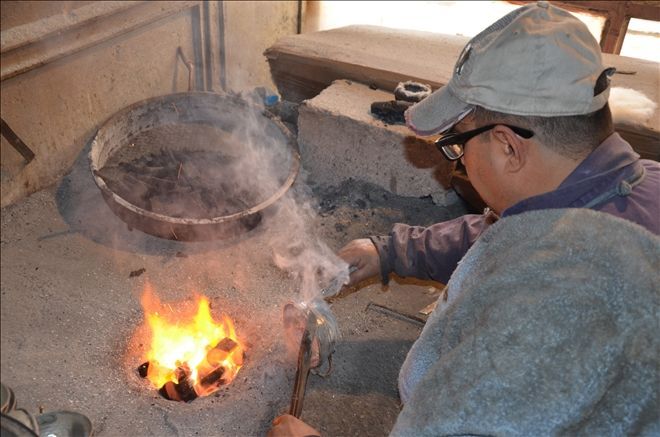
(94, 151)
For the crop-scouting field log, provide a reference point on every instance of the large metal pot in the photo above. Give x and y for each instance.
(249, 125)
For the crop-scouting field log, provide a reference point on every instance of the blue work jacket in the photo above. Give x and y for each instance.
(612, 179)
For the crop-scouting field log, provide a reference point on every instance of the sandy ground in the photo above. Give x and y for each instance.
(70, 311)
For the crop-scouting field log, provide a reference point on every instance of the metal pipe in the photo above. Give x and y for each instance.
(191, 68)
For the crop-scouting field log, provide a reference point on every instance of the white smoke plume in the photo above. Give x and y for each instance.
(630, 106)
(296, 246)
(299, 251)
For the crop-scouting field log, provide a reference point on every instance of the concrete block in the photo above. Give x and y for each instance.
(340, 139)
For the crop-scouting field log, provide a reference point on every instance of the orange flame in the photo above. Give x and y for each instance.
(191, 340)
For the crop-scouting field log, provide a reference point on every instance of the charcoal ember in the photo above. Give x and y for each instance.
(184, 390)
(143, 369)
(176, 392)
(169, 392)
(213, 377)
(182, 372)
(226, 344)
(220, 352)
(239, 358)
(136, 273)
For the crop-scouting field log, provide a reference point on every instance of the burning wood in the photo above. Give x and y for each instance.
(189, 357)
(221, 351)
(213, 377)
(184, 388)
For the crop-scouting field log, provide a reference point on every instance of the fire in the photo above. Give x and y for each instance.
(189, 351)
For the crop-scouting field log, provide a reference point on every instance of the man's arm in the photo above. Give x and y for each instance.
(432, 252)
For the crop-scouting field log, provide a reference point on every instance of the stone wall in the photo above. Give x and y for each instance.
(68, 66)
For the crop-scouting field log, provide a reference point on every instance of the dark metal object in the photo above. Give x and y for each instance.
(7, 399)
(225, 112)
(12, 427)
(317, 343)
(390, 112)
(336, 284)
(325, 334)
(396, 314)
(304, 365)
(64, 423)
(16, 142)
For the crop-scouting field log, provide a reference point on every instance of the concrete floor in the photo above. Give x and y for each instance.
(70, 313)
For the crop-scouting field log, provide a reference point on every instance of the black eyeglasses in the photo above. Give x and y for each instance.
(452, 144)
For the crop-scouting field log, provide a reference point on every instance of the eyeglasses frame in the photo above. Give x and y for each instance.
(460, 138)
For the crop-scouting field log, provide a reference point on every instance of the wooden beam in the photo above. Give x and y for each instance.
(617, 16)
(614, 30)
(646, 10)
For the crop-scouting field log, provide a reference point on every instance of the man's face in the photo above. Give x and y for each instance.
(484, 166)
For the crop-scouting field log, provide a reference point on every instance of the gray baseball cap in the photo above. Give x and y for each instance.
(538, 60)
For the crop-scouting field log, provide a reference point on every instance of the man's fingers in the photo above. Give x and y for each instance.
(363, 255)
(290, 426)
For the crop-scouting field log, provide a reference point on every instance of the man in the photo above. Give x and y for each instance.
(526, 112)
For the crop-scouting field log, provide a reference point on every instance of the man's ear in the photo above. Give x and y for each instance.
(514, 149)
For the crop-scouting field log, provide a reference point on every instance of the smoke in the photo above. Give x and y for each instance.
(298, 250)
(250, 159)
(295, 244)
(630, 106)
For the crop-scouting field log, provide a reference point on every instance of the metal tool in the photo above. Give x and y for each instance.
(318, 331)
(304, 365)
(15, 141)
(335, 284)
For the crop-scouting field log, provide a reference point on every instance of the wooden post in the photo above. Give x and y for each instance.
(617, 15)
(614, 30)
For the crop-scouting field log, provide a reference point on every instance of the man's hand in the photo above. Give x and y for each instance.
(363, 255)
(288, 426)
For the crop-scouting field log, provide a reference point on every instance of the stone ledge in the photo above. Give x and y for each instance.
(303, 65)
(340, 139)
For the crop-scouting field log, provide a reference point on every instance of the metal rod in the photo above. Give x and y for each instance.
(335, 285)
(397, 315)
(191, 69)
(304, 366)
(16, 142)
